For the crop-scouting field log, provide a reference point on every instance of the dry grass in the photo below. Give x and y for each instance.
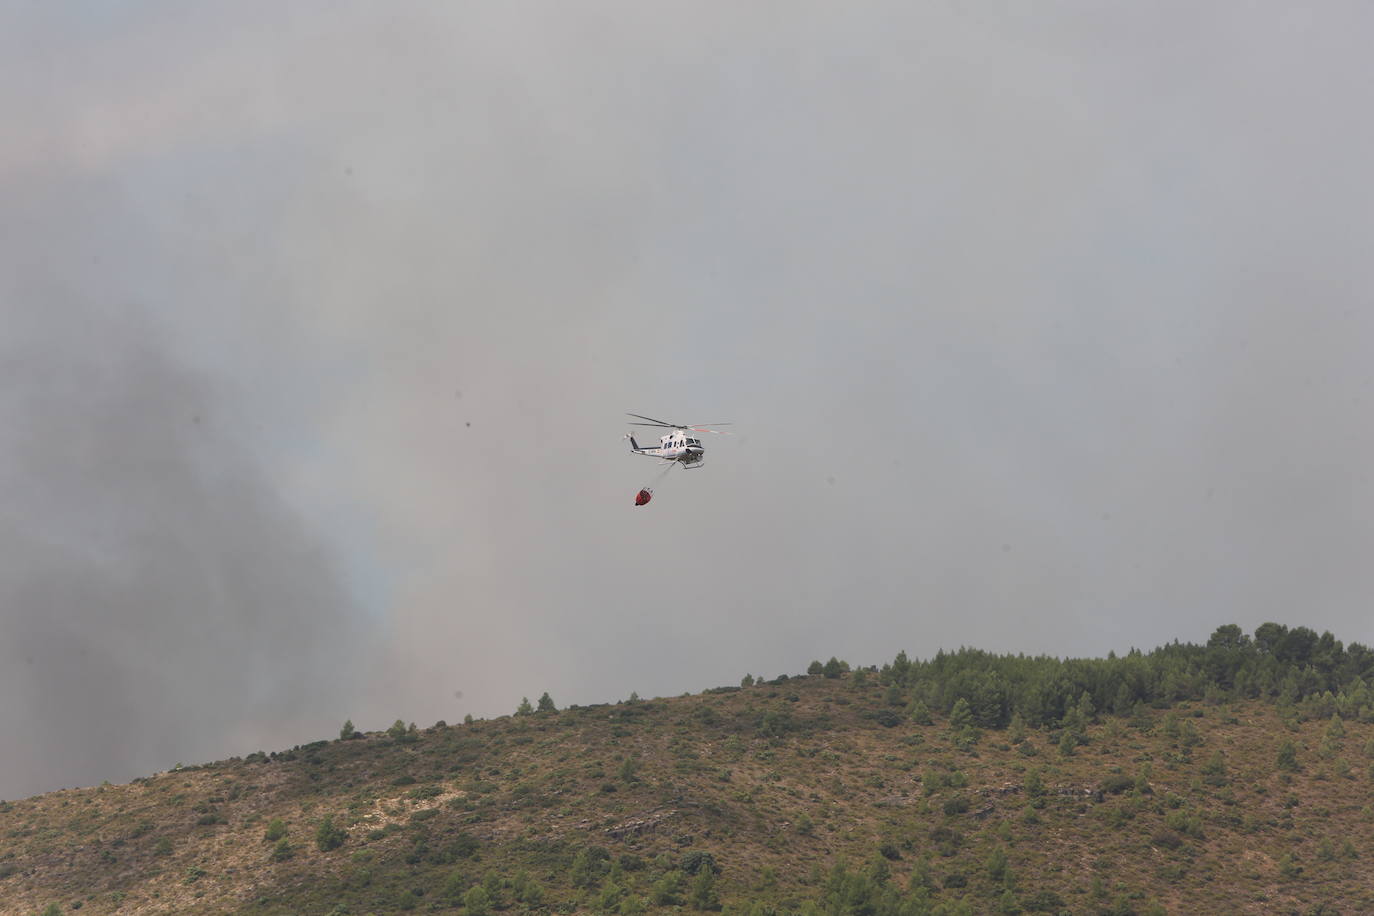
(776, 812)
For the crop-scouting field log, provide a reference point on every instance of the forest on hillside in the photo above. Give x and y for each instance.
(1303, 672)
(1184, 779)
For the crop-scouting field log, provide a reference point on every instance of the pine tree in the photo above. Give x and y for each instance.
(901, 668)
(477, 901)
(546, 703)
(960, 717)
(1067, 742)
(585, 871)
(704, 895)
(1016, 731)
(524, 709)
(1086, 710)
(1287, 757)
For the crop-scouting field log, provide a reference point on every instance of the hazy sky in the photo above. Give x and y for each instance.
(1045, 327)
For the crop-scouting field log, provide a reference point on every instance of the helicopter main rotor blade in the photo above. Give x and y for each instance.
(698, 427)
(657, 422)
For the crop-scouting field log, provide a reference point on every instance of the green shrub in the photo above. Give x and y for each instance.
(956, 805)
(693, 862)
(666, 889)
(454, 886)
(947, 841)
(477, 902)
(1184, 822)
(1116, 783)
(887, 718)
(527, 890)
(1214, 771)
(328, 836)
(589, 865)
(775, 723)
(997, 864)
(1166, 838)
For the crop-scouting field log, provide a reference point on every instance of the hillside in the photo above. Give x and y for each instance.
(891, 790)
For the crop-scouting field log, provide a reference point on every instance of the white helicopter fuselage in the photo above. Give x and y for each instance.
(680, 445)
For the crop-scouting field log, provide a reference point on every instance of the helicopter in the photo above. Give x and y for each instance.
(679, 445)
(678, 448)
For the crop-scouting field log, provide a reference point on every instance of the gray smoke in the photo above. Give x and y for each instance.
(158, 601)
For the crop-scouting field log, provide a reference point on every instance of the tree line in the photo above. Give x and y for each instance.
(1293, 667)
